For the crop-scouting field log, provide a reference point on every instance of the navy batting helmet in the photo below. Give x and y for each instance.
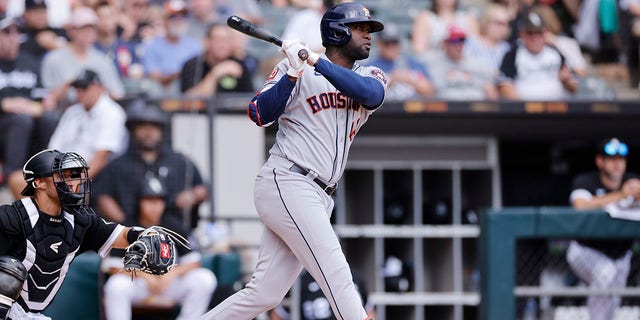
(334, 26)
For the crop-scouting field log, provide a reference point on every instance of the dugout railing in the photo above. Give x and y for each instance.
(503, 242)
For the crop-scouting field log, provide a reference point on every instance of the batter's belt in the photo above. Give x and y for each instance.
(312, 175)
(328, 189)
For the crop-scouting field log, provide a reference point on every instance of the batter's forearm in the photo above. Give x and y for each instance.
(268, 105)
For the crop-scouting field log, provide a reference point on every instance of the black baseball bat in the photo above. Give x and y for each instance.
(250, 29)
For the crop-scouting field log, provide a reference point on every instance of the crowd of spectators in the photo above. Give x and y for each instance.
(150, 42)
(567, 57)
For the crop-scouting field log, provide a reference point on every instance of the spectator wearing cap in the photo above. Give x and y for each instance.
(61, 66)
(534, 70)
(26, 115)
(38, 36)
(165, 55)
(216, 70)
(569, 47)
(188, 284)
(149, 155)
(58, 12)
(408, 78)
(94, 127)
(604, 263)
(455, 75)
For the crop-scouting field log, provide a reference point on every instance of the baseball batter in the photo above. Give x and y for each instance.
(320, 105)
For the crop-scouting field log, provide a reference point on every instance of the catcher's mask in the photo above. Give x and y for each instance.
(70, 176)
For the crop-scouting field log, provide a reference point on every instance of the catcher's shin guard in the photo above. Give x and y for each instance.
(12, 276)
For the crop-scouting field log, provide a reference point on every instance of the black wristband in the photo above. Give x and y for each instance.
(133, 234)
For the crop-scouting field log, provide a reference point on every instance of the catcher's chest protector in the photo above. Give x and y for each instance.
(50, 246)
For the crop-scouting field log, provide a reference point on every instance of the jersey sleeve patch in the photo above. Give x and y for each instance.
(273, 74)
(380, 75)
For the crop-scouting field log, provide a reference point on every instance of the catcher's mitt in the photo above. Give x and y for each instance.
(153, 252)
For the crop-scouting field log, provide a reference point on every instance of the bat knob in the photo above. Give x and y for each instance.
(303, 54)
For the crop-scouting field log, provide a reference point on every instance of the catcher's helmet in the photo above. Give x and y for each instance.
(63, 167)
(334, 26)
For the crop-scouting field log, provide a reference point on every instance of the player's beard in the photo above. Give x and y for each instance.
(355, 51)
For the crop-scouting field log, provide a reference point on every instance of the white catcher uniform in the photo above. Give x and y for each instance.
(315, 133)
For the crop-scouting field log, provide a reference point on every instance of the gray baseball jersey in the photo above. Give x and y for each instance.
(331, 121)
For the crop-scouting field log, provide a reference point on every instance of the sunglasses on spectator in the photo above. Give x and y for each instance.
(616, 148)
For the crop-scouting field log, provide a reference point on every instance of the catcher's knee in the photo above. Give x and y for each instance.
(12, 277)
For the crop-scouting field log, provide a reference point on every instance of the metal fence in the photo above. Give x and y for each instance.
(532, 269)
(547, 287)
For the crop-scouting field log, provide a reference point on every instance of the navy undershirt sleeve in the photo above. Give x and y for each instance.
(367, 91)
(271, 103)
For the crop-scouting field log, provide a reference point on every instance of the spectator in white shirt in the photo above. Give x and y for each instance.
(534, 70)
(94, 127)
(569, 47)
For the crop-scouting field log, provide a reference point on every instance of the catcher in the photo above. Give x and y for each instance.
(41, 234)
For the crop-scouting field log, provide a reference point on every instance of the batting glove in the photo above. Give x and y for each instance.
(296, 65)
(292, 49)
(296, 72)
(313, 58)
